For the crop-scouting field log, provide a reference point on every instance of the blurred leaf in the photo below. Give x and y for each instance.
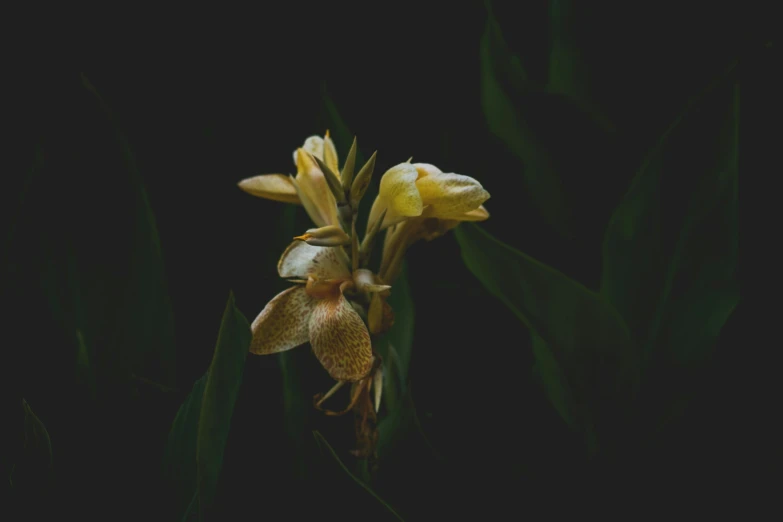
(145, 315)
(84, 367)
(568, 69)
(35, 464)
(396, 348)
(180, 455)
(92, 255)
(503, 81)
(587, 361)
(671, 248)
(194, 452)
(383, 511)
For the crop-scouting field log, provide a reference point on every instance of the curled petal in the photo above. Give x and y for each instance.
(449, 195)
(398, 190)
(283, 323)
(339, 339)
(276, 187)
(301, 260)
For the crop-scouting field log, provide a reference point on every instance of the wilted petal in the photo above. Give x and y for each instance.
(276, 187)
(283, 323)
(301, 260)
(448, 195)
(339, 339)
(398, 191)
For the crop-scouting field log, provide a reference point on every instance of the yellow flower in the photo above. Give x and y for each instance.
(317, 310)
(309, 188)
(423, 190)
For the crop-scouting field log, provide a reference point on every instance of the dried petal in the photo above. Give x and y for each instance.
(340, 340)
(283, 323)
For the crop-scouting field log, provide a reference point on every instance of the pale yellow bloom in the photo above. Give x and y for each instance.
(422, 190)
(308, 188)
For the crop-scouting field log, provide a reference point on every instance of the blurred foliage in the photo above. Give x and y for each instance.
(585, 338)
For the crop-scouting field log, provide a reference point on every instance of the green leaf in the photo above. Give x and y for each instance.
(34, 463)
(380, 509)
(220, 393)
(588, 364)
(671, 248)
(146, 324)
(503, 80)
(198, 435)
(568, 69)
(98, 264)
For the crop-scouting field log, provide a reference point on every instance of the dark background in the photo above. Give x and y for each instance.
(225, 96)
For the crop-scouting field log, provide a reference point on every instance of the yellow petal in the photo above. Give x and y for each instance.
(330, 155)
(313, 145)
(276, 187)
(315, 193)
(283, 323)
(301, 260)
(480, 214)
(340, 340)
(449, 195)
(398, 191)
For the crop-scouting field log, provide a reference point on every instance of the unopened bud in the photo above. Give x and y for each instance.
(328, 236)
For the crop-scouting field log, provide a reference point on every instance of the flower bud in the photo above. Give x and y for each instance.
(328, 236)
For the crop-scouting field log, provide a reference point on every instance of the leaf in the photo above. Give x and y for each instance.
(146, 319)
(92, 255)
(568, 70)
(31, 469)
(198, 435)
(506, 120)
(220, 392)
(588, 364)
(386, 513)
(671, 248)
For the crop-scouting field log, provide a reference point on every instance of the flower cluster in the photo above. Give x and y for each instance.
(337, 302)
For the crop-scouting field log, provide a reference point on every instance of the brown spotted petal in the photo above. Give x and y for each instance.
(339, 339)
(301, 260)
(283, 323)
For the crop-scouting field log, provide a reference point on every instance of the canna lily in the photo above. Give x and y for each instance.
(316, 310)
(309, 188)
(422, 202)
(423, 190)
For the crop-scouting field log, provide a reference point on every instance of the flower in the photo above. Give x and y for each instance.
(318, 311)
(421, 202)
(309, 188)
(423, 190)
